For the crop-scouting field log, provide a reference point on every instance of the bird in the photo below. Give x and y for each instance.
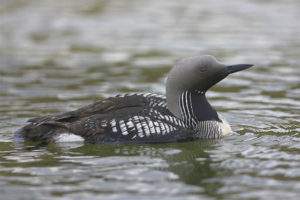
(183, 114)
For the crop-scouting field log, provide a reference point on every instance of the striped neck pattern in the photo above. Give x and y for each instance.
(186, 108)
(209, 129)
(197, 114)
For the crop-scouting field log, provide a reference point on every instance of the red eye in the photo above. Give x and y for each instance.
(203, 69)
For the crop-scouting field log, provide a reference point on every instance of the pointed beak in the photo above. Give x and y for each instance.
(234, 68)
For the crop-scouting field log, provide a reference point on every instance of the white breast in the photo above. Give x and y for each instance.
(225, 126)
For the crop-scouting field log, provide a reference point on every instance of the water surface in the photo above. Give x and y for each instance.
(59, 55)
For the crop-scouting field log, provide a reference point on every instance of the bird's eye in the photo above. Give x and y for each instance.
(203, 69)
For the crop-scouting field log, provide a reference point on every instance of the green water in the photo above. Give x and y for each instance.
(59, 55)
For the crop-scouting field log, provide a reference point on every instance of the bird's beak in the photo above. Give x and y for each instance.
(234, 68)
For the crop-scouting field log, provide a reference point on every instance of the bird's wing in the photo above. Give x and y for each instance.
(102, 106)
(74, 121)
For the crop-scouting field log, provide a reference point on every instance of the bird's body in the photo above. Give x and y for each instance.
(140, 117)
(128, 118)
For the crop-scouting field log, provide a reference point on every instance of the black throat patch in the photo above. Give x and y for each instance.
(203, 111)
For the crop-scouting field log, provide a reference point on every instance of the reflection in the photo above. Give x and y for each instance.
(194, 166)
(188, 161)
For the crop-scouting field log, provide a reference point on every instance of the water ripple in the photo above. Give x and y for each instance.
(60, 55)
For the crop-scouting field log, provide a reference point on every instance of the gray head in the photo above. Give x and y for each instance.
(198, 73)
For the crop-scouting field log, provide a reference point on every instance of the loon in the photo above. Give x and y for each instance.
(183, 115)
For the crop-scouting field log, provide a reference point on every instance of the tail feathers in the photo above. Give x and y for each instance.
(42, 132)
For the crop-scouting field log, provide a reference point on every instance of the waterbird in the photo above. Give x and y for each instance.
(184, 114)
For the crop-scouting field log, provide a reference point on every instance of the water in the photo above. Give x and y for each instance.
(58, 55)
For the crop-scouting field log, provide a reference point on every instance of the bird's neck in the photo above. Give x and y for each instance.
(194, 107)
(202, 109)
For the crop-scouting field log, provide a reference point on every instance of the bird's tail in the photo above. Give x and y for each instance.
(41, 132)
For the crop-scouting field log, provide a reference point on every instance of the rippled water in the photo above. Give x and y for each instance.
(58, 55)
